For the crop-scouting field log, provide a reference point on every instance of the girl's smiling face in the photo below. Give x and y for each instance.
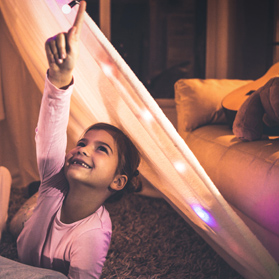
(93, 162)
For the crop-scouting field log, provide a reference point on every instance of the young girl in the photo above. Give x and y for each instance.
(70, 230)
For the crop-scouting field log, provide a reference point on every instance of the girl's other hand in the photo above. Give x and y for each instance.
(62, 51)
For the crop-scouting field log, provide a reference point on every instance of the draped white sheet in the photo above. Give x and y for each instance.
(107, 90)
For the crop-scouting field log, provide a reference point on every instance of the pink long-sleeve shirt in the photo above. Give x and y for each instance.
(78, 249)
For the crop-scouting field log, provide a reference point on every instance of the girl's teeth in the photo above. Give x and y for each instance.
(82, 164)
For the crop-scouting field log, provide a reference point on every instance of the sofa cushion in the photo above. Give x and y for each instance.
(198, 101)
(246, 173)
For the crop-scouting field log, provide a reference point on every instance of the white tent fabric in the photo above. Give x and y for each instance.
(107, 90)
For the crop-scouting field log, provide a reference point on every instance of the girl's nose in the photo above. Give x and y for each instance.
(82, 151)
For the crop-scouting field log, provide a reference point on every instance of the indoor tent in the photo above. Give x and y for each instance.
(107, 90)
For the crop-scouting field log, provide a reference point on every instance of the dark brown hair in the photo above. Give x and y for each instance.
(128, 159)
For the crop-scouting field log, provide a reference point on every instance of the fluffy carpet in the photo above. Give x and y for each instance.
(150, 240)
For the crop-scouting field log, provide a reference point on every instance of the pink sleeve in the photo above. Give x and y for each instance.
(51, 132)
(88, 254)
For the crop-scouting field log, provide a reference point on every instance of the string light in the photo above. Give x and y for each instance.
(66, 9)
(107, 70)
(146, 115)
(179, 166)
(204, 215)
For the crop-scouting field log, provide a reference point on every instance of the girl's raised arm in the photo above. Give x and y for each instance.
(51, 139)
(62, 51)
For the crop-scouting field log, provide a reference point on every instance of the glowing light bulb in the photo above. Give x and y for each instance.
(146, 115)
(107, 69)
(179, 166)
(66, 9)
(204, 215)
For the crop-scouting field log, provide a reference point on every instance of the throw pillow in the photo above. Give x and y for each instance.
(198, 101)
(248, 123)
(259, 114)
(270, 101)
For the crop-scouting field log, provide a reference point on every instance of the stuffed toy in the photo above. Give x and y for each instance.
(259, 114)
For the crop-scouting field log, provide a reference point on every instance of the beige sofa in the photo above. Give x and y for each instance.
(246, 173)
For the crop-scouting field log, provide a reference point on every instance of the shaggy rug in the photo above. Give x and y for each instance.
(149, 240)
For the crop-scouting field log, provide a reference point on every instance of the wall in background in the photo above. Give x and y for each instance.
(164, 40)
(253, 33)
(161, 40)
(240, 38)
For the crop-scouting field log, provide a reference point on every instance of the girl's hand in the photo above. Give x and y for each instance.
(62, 52)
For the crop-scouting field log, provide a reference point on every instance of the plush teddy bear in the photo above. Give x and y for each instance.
(259, 114)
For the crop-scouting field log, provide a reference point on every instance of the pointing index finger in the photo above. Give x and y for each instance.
(80, 16)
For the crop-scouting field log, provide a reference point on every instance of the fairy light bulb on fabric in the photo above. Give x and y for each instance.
(66, 9)
(179, 166)
(146, 115)
(204, 215)
(107, 70)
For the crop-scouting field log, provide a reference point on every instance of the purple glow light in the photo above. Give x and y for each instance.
(204, 215)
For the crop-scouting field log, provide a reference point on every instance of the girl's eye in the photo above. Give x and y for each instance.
(81, 144)
(103, 149)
